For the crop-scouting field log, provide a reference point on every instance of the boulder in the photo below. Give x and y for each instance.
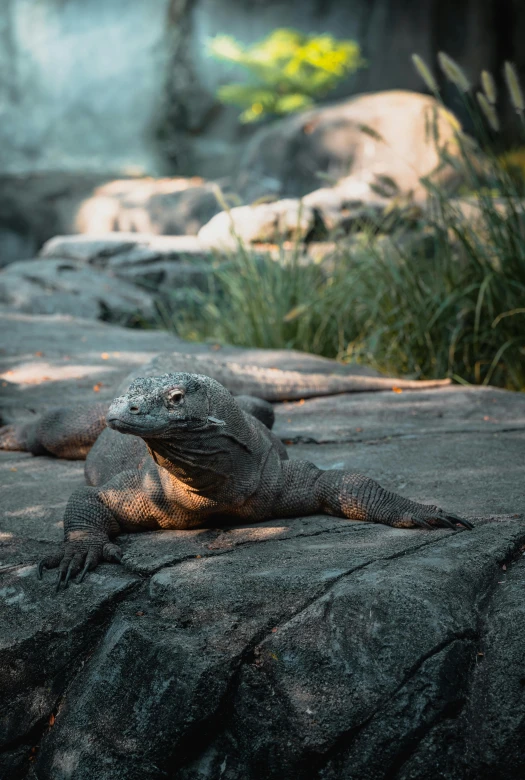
(309, 648)
(283, 220)
(169, 206)
(119, 249)
(342, 209)
(54, 286)
(36, 207)
(158, 263)
(380, 136)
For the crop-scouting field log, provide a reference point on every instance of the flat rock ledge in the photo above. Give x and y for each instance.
(306, 648)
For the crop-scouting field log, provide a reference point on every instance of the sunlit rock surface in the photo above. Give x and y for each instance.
(380, 139)
(283, 220)
(305, 648)
(166, 206)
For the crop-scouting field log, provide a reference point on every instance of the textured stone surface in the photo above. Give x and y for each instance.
(122, 248)
(69, 287)
(163, 264)
(312, 648)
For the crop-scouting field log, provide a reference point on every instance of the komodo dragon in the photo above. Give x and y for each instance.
(196, 451)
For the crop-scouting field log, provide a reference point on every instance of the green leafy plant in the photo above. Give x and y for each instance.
(287, 71)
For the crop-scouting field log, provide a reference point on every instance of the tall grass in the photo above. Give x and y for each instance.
(446, 299)
(280, 302)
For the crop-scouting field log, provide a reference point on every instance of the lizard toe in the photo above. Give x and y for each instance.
(112, 552)
(456, 520)
(421, 523)
(74, 567)
(92, 561)
(50, 562)
(442, 519)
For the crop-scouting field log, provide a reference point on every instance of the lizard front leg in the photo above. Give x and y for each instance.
(308, 490)
(133, 500)
(89, 526)
(93, 516)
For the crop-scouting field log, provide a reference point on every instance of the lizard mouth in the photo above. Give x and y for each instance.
(147, 431)
(123, 426)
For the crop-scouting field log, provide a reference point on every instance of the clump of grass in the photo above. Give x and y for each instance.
(444, 309)
(257, 300)
(447, 299)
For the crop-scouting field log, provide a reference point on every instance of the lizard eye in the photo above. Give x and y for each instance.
(175, 397)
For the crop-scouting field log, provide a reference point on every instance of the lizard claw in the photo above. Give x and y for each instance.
(456, 520)
(77, 558)
(50, 562)
(91, 562)
(422, 523)
(448, 520)
(429, 517)
(112, 552)
(437, 518)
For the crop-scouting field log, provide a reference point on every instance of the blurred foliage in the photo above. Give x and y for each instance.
(288, 71)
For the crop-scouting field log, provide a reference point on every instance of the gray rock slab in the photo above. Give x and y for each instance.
(313, 648)
(494, 719)
(50, 359)
(55, 286)
(28, 527)
(43, 642)
(271, 658)
(399, 650)
(120, 248)
(474, 474)
(370, 417)
(174, 282)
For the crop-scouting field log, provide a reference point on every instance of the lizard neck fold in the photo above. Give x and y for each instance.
(203, 463)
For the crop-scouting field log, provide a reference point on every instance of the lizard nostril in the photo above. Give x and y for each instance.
(134, 409)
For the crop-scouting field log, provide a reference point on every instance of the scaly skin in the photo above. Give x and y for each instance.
(181, 449)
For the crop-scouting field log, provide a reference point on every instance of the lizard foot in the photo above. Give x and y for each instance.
(79, 555)
(430, 517)
(10, 438)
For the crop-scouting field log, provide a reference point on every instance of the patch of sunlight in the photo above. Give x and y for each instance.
(255, 534)
(26, 571)
(37, 373)
(126, 356)
(25, 511)
(122, 205)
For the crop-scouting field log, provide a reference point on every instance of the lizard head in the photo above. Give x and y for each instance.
(168, 405)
